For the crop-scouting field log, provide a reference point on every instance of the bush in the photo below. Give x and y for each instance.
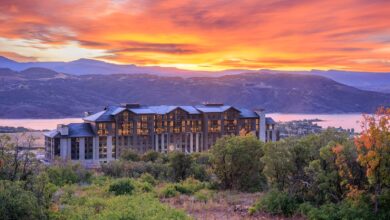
(17, 203)
(180, 165)
(122, 187)
(277, 203)
(114, 168)
(130, 155)
(168, 191)
(236, 162)
(199, 172)
(189, 186)
(151, 156)
(347, 209)
(146, 177)
(203, 195)
(61, 174)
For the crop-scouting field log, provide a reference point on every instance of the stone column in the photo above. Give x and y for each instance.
(191, 142)
(68, 148)
(63, 148)
(197, 142)
(109, 148)
(156, 142)
(82, 149)
(262, 129)
(95, 149)
(162, 143)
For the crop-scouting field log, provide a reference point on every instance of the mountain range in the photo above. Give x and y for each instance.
(44, 93)
(379, 82)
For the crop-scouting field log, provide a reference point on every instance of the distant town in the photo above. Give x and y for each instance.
(300, 128)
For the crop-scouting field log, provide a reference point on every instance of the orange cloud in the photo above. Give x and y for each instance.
(209, 35)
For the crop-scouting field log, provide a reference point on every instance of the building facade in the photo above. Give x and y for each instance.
(102, 136)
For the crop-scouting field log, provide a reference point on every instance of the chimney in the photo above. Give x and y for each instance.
(87, 113)
(130, 105)
(63, 129)
(262, 129)
(212, 104)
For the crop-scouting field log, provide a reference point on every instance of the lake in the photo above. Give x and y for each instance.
(333, 120)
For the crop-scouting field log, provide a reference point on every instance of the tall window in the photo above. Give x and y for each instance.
(102, 129)
(113, 147)
(214, 125)
(127, 128)
(75, 149)
(142, 125)
(102, 147)
(88, 148)
(57, 148)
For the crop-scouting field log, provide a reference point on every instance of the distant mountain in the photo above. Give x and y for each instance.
(367, 81)
(42, 93)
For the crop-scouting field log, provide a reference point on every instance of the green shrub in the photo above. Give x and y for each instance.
(17, 203)
(68, 173)
(277, 203)
(146, 177)
(130, 155)
(151, 156)
(114, 168)
(189, 186)
(168, 191)
(144, 186)
(203, 195)
(180, 165)
(199, 172)
(122, 187)
(347, 209)
(236, 162)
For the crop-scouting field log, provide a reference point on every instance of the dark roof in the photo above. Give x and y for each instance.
(80, 130)
(245, 113)
(109, 113)
(51, 134)
(269, 120)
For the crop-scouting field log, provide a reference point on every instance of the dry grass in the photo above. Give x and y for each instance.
(227, 205)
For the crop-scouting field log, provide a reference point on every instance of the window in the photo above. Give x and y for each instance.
(113, 147)
(102, 129)
(214, 125)
(102, 147)
(75, 149)
(88, 148)
(230, 126)
(127, 128)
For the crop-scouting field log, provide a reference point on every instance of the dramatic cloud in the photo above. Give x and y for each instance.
(210, 35)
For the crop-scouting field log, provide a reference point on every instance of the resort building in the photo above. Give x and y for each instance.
(102, 136)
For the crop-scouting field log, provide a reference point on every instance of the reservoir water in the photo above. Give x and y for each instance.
(346, 121)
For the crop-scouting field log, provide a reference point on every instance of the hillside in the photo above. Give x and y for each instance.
(379, 82)
(40, 93)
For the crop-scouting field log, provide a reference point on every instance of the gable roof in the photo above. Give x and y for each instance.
(269, 120)
(245, 113)
(51, 134)
(214, 109)
(80, 130)
(109, 113)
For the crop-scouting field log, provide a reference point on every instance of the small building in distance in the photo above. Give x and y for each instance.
(103, 135)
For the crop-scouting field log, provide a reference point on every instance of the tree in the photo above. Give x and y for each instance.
(278, 164)
(236, 162)
(373, 147)
(17, 203)
(180, 165)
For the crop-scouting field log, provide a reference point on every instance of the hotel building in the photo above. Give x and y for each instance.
(102, 136)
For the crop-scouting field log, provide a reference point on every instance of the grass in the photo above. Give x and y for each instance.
(96, 202)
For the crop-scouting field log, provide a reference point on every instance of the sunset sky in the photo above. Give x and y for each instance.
(201, 35)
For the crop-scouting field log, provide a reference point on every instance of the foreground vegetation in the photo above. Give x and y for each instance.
(325, 176)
